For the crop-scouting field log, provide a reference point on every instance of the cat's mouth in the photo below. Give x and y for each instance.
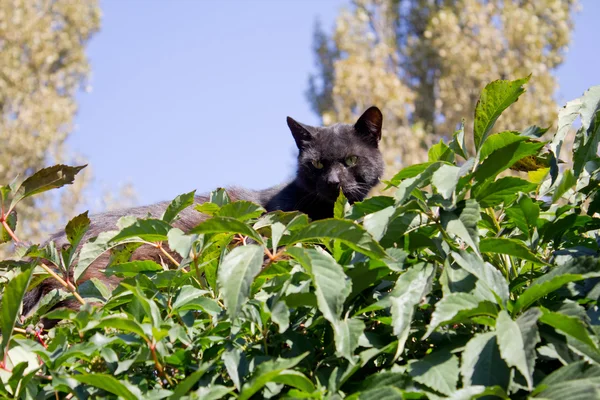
(353, 193)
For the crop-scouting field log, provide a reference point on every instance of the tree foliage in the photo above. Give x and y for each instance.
(42, 66)
(424, 62)
(459, 284)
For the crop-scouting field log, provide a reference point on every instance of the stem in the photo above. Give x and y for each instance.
(19, 330)
(10, 231)
(40, 339)
(265, 341)
(166, 253)
(157, 364)
(67, 285)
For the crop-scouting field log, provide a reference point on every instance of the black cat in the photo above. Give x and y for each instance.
(340, 156)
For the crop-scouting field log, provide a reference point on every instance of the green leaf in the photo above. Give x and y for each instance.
(410, 172)
(567, 181)
(219, 197)
(121, 321)
(458, 141)
(503, 190)
(406, 187)
(535, 131)
(148, 305)
(266, 372)
(377, 223)
(462, 222)
(504, 158)
(11, 221)
(479, 391)
(577, 381)
(213, 392)
(369, 206)
(410, 289)
(295, 379)
(207, 208)
(77, 228)
(575, 270)
(586, 107)
(332, 286)
(440, 152)
(487, 274)
(511, 343)
(241, 210)
(585, 145)
(180, 242)
(226, 225)
(500, 140)
(178, 204)
(90, 252)
(438, 371)
(191, 298)
(109, 384)
(150, 230)
(496, 97)
(512, 247)
(341, 205)
(188, 383)
(11, 304)
(236, 274)
(571, 326)
(454, 307)
(348, 232)
(347, 333)
(44, 180)
(445, 180)
(482, 363)
(133, 268)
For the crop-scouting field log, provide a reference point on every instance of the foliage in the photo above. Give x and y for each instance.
(461, 284)
(395, 53)
(42, 67)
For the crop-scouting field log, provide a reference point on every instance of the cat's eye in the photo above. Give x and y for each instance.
(317, 164)
(351, 161)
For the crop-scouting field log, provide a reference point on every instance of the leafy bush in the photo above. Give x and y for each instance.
(467, 282)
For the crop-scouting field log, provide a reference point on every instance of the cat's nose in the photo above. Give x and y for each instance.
(333, 179)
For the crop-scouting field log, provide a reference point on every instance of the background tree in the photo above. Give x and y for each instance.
(424, 63)
(42, 66)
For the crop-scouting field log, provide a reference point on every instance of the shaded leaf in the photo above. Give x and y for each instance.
(502, 190)
(462, 222)
(482, 363)
(437, 370)
(512, 247)
(266, 372)
(133, 268)
(44, 180)
(575, 270)
(348, 232)
(110, 384)
(486, 273)
(11, 304)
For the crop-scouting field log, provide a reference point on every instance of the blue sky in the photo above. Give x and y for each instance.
(194, 94)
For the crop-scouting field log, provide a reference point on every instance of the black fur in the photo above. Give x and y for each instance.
(339, 156)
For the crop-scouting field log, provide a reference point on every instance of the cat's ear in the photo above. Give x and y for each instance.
(300, 132)
(369, 125)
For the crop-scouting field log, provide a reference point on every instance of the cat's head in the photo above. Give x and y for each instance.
(340, 156)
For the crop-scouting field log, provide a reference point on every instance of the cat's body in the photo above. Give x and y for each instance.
(340, 156)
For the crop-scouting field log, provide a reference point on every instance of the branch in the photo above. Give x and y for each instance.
(67, 285)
